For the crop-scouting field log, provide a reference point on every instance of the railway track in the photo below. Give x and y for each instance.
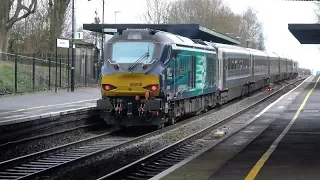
(153, 164)
(29, 129)
(40, 163)
(16, 141)
(34, 164)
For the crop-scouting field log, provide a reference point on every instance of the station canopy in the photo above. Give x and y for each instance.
(306, 33)
(192, 31)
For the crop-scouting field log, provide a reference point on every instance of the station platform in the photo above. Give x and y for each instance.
(20, 108)
(282, 142)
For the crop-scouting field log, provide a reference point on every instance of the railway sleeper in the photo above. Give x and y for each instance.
(167, 163)
(143, 175)
(136, 178)
(147, 172)
(9, 177)
(23, 170)
(175, 156)
(171, 159)
(151, 169)
(157, 165)
(14, 173)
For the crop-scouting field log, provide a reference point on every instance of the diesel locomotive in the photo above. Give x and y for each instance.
(152, 78)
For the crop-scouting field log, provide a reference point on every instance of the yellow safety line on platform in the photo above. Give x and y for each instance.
(255, 170)
(48, 106)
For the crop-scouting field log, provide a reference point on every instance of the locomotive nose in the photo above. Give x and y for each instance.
(130, 84)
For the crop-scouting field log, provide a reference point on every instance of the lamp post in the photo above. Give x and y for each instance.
(102, 38)
(248, 40)
(72, 50)
(115, 16)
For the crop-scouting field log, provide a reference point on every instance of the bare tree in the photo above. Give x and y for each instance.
(31, 34)
(19, 11)
(317, 11)
(155, 12)
(250, 30)
(213, 14)
(260, 43)
(58, 14)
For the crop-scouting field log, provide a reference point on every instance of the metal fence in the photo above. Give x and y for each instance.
(21, 73)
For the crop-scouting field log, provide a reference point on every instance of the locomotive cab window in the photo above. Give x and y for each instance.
(130, 52)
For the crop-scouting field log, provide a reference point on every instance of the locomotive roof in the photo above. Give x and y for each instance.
(160, 36)
(180, 40)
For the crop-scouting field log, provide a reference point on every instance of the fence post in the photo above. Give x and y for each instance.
(16, 73)
(85, 69)
(33, 72)
(68, 70)
(56, 83)
(60, 70)
(49, 84)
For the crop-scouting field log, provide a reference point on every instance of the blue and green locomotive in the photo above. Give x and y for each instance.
(151, 77)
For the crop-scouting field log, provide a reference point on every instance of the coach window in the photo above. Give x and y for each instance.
(233, 64)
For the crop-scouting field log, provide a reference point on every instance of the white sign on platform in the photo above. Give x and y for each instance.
(79, 35)
(110, 30)
(63, 43)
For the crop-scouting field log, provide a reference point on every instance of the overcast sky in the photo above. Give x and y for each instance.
(274, 14)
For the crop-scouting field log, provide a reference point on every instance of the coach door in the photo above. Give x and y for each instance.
(252, 64)
(221, 71)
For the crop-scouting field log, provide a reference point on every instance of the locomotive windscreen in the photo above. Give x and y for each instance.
(131, 52)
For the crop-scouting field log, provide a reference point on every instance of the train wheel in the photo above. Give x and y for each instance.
(171, 121)
(160, 126)
(246, 90)
(243, 92)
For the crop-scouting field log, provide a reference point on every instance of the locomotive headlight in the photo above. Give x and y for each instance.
(152, 87)
(108, 87)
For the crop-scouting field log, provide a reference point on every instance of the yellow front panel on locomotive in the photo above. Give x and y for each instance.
(129, 84)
